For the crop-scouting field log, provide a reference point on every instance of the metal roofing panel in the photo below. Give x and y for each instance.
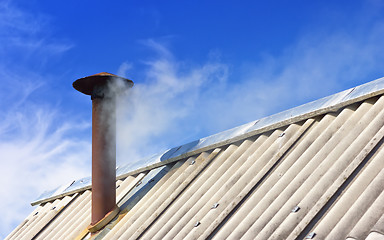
(150, 199)
(321, 177)
(373, 236)
(188, 199)
(312, 159)
(321, 106)
(65, 217)
(41, 217)
(369, 217)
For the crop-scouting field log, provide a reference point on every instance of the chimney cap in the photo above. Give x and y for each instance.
(87, 84)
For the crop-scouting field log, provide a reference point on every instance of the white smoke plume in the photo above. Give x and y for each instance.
(174, 102)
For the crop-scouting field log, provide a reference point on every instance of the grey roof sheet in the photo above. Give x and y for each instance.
(319, 177)
(321, 106)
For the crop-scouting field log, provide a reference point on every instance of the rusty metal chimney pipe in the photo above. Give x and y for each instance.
(103, 145)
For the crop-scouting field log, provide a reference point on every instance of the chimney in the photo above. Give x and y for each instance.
(104, 207)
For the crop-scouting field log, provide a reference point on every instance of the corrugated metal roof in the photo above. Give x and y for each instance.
(328, 104)
(320, 177)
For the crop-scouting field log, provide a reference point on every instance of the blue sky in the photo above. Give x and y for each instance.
(199, 67)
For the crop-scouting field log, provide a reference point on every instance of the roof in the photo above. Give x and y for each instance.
(314, 171)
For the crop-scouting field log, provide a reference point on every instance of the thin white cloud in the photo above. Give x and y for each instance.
(26, 36)
(39, 149)
(36, 158)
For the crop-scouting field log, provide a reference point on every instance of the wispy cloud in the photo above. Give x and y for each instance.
(27, 36)
(39, 150)
(37, 155)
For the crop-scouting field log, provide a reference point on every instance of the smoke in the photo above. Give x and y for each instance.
(175, 102)
(151, 114)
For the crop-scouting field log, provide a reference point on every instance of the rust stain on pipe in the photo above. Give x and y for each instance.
(103, 160)
(103, 141)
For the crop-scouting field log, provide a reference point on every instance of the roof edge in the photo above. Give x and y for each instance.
(315, 108)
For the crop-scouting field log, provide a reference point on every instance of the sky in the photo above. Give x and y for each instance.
(199, 67)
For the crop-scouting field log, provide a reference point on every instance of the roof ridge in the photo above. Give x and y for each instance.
(321, 106)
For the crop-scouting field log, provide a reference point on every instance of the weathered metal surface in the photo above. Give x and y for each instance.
(141, 189)
(86, 85)
(121, 170)
(103, 158)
